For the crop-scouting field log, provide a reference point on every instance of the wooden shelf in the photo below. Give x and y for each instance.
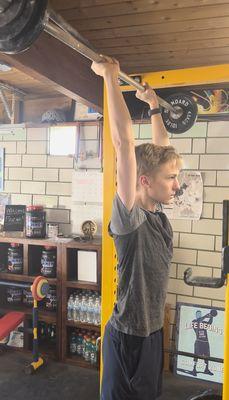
(82, 325)
(35, 242)
(69, 283)
(93, 244)
(23, 278)
(82, 285)
(66, 252)
(7, 276)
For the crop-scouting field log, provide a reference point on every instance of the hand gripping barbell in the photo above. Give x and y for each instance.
(21, 23)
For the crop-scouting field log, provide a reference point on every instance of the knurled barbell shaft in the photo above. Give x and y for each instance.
(62, 31)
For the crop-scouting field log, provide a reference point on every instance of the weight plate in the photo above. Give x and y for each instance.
(21, 23)
(186, 115)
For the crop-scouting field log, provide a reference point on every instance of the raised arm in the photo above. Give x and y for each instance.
(121, 131)
(159, 133)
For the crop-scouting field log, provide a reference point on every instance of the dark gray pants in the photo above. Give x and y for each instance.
(132, 365)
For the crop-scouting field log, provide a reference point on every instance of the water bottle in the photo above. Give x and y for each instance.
(97, 310)
(76, 309)
(90, 310)
(85, 338)
(87, 351)
(80, 344)
(70, 308)
(93, 353)
(73, 343)
(83, 310)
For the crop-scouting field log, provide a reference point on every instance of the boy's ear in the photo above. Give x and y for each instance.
(144, 180)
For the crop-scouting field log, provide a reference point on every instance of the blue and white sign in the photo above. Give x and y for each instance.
(200, 331)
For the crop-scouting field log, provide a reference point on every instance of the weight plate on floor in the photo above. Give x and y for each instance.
(186, 114)
(21, 22)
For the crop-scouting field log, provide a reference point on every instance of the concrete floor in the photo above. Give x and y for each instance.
(59, 381)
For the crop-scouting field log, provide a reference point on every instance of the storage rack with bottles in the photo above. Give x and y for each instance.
(31, 252)
(71, 284)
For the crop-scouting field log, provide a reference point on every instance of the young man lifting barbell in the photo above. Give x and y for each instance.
(146, 177)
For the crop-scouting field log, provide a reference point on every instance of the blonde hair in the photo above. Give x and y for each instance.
(150, 157)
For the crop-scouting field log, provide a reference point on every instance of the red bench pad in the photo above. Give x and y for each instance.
(9, 322)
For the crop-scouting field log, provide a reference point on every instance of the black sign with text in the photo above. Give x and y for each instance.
(14, 218)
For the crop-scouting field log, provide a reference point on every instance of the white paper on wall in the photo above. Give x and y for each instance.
(87, 266)
(87, 186)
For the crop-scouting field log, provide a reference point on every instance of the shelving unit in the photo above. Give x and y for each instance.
(69, 283)
(32, 249)
(65, 282)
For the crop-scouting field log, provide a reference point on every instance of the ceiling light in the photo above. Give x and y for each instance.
(4, 67)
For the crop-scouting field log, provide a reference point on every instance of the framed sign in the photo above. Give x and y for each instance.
(200, 332)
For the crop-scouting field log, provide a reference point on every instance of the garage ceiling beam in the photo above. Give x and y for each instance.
(48, 60)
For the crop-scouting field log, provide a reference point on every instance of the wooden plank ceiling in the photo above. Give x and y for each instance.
(144, 35)
(153, 35)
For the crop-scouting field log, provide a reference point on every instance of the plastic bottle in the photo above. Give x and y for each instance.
(70, 308)
(87, 351)
(76, 309)
(73, 343)
(80, 344)
(83, 310)
(93, 353)
(90, 310)
(97, 312)
(85, 338)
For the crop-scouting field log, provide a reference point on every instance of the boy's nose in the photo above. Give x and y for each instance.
(176, 185)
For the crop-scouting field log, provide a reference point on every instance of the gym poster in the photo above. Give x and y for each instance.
(210, 102)
(199, 331)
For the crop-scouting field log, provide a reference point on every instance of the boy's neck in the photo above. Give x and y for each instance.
(145, 202)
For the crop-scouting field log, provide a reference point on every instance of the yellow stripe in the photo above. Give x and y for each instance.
(186, 77)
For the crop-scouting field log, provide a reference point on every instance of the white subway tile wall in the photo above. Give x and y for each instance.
(34, 177)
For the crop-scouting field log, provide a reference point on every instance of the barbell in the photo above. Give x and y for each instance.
(39, 287)
(22, 22)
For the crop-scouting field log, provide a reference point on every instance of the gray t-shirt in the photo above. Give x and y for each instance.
(143, 241)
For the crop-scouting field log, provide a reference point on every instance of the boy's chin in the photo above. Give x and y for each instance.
(168, 202)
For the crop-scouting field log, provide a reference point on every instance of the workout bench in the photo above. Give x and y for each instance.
(9, 322)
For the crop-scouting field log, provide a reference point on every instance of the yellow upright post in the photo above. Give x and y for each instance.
(108, 255)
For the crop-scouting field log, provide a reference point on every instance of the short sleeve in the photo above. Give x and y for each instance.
(124, 221)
